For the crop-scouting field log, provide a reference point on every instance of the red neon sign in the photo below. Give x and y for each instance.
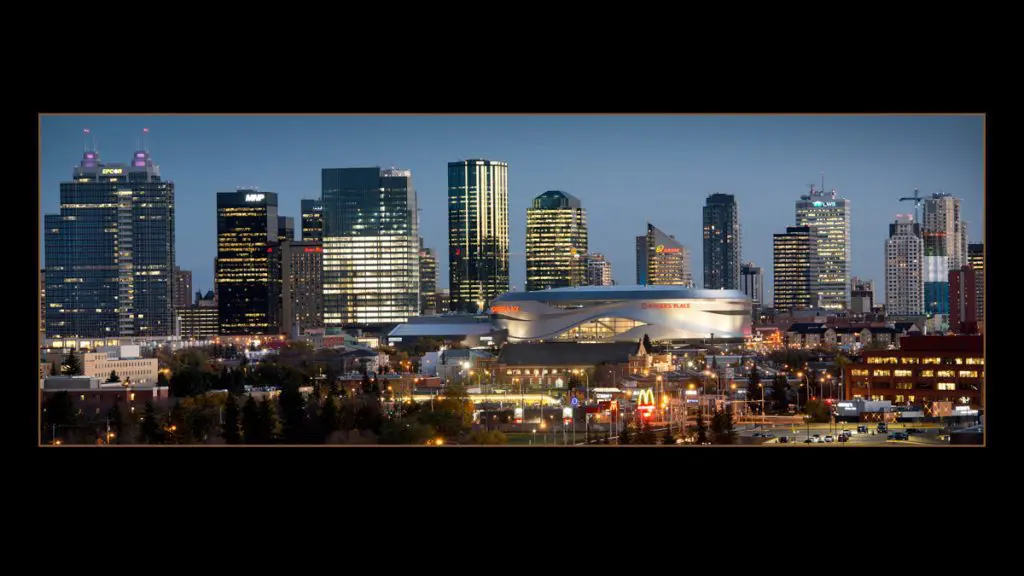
(316, 249)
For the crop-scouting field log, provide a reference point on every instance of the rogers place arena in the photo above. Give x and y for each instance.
(617, 313)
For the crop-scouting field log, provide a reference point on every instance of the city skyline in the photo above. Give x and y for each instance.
(626, 169)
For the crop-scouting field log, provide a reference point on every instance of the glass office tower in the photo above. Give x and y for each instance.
(371, 247)
(477, 233)
(556, 242)
(248, 273)
(109, 253)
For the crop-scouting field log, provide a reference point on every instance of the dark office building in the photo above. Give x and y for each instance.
(721, 242)
(302, 287)
(248, 269)
(312, 220)
(109, 253)
(199, 321)
(963, 300)
(182, 288)
(428, 281)
(976, 259)
(752, 284)
(371, 247)
(477, 233)
(285, 229)
(795, 267)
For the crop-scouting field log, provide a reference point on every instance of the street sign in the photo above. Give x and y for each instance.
(575, 401)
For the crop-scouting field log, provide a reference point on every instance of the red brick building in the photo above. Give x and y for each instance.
(925, 369)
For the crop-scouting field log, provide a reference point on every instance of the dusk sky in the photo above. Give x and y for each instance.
(626, 170)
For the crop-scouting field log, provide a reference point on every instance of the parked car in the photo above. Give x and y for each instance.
(899, 436)
(783, 440)
(883, 427)
(829, 438)
(844, 438)
(862, 429)
(846, 433)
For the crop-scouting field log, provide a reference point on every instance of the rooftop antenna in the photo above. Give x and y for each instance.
(86, 140)
(822, 182)
(145, 145)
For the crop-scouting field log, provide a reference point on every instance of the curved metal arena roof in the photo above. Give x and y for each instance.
(619, 292)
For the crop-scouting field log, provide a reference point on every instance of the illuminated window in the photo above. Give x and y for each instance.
(858, 372)
(882, 373)
(927, 373)
(946, 386)
(903, 373)
(908, 360)
(899, 398)
(968, 373)
(132, 396)
(946, 373)
(904, 386)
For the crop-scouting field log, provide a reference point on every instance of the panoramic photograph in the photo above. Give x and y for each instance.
(561, 281)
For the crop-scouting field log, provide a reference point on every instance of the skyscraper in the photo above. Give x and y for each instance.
(428, 281)
(721, 242)
(795, 263)
(976, 258)
(312, 220)
(285, 229)
(831, 217)
(42, 302)
(371, 247)
(302, 293)
(248, 268)
(662, 260)
(904, 292)
(752, 284)
(963, 303)
(477, 232)
(110, 252)
(182, 288)
(945, 249)
(599, 270)
(556, 241)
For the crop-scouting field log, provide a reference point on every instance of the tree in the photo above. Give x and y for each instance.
(625, 435)
(752, 384)
(161, 380)
(198, 424)
(647, 343)
(818, 411)
(113, 377)
(190, 381)
(293, 414)
(150, 431)
(702, 429)
(54, 370)
(779, 395)
(72, 364)
(268, 421)
(488, 437)
(252, 427)
(229, 429)
(722, 427)
(646, 435)
(177, 425)
(58, 411)
(330, 418)
(116, 419)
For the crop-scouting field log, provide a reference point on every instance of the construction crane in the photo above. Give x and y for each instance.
(916, 199)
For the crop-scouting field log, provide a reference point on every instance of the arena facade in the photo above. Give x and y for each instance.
(619, 313)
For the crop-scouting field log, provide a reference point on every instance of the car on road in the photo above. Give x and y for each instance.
(862, 429)
(810, 441)
(846, 433)
(844, 438)
(899, 436)
(829, 438)
(883, 427)
(783, 440)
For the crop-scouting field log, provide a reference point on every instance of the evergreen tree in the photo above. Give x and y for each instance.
(229, 430)
(753, 391)
(624, 436)
(646, 435)
(293, 414)
(647, 343)
(198, 424)
(251, 425)
(150, 431)
(779, 395)
(72, 364)
(58, 412)
(268, 421)
(113, 377)
(161, 380)
(702, 429)
(367, 386)
(177, 425)
(330, 417)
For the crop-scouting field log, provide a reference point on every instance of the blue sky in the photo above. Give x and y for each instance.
(626, 170)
